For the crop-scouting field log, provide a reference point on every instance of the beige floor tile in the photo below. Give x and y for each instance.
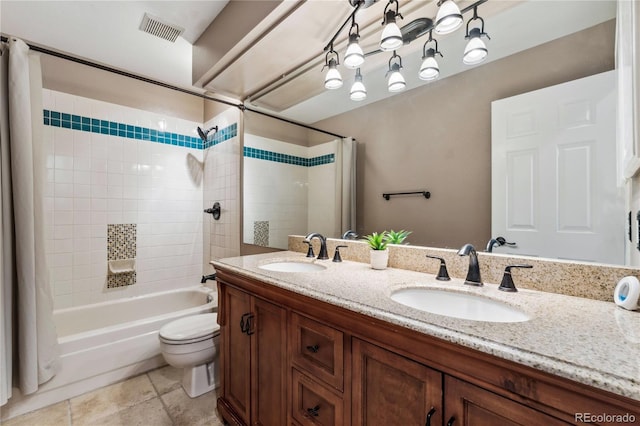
(53, 415)
(85, 409)
(186, 411)
(148, 413)
(166, 379)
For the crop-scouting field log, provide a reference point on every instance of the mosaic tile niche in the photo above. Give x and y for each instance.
(261, 233)
(121, 244)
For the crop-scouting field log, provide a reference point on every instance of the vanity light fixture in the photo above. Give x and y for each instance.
(333, 79)
(429, 70)
(358, 91)
(475, 51)
(354, 56)
(396, 82)
(449, 17)
(391, 37)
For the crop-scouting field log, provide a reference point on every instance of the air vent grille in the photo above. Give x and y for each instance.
(159, 28)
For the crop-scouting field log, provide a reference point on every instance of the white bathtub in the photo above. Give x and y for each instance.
(103, 343)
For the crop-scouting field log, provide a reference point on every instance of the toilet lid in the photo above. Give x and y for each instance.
(191, 327)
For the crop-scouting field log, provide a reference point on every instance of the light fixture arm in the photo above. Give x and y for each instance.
(351, 17)
(397, 66)
(328, 60)
(395, 14)
(431, 39)
(476, 18)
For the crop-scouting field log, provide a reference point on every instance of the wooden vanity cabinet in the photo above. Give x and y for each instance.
(306, 362)
(253, 359)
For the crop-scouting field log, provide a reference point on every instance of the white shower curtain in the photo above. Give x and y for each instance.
(28, 342)
(346, 184)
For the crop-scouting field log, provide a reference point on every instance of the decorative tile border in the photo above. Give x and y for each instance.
(261, 233)
(262, 154)
(221, 135)
(123, 130)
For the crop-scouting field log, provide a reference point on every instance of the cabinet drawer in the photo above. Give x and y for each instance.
(318, 349)
(313, 403)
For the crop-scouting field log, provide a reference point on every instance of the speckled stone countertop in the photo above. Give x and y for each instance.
(592, 342)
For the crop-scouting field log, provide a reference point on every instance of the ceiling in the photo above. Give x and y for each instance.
(276, 65)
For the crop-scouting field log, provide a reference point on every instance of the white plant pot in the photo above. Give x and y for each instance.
(379, 259)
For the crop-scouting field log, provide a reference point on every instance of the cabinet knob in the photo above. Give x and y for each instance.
(313, 411)
(429, 415)
(313, 348)
(451, 421)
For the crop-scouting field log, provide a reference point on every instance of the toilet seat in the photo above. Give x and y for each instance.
(191, 329)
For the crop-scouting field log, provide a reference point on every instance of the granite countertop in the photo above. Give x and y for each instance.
(592, 342)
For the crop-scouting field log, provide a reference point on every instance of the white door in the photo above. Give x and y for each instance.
(553, 176)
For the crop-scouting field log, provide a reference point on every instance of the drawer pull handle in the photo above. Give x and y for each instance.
(313, 411)
(245, 323)
(313, 348)
(451, 420)
(429, 415)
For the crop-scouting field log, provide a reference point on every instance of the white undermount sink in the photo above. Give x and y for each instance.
(459, 305)
(292, 267)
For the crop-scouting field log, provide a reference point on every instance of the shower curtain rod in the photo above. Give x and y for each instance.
(240, 106)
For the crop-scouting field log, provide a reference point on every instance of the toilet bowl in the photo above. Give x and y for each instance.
(191, 343)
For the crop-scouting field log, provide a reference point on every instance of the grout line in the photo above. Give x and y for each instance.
(164, 406)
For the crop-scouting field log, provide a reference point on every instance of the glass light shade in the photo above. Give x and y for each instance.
(333, 79)
(391, 37)
(448, 18)
(353, 57)
(396, 82)
(475, 52)
(358, 91)
(429, 69)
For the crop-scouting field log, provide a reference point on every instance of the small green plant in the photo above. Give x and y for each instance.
(377, 241)
(397, 237)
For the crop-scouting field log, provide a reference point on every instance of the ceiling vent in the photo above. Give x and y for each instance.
(159, 28)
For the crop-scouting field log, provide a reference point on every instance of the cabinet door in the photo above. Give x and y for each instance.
(236, 353)
(389, 389)
(268, 364)
(466, 404)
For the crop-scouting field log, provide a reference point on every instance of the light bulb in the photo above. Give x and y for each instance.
(448, 18)
(358, 91)
(333, 79)
(391, 37)
(354, 56)
(475, 51)
(396, 81)
(429, 69)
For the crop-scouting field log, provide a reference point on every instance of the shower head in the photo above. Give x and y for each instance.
(204, 133)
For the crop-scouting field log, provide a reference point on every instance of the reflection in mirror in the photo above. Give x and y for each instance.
(292, 182)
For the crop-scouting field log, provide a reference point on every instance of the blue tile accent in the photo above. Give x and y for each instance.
(262, 154)
(95, 125)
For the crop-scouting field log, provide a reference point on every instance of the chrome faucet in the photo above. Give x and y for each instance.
(323, 244)
(473, 274)
(349, 235)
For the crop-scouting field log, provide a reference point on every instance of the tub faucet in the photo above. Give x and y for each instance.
(205, 278)
(349, 235)
(323, 244)
(473, 274)
(497, 242)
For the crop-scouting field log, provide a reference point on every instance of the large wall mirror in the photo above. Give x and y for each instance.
(439, 136)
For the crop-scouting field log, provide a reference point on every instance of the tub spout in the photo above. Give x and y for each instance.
(206, 278)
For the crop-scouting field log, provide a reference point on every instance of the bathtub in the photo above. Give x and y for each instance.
(106, 342)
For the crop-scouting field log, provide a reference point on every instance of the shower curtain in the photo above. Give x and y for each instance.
(28, 342)
(346, 184)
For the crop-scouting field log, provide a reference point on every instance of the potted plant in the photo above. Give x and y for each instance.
(379, 255)
(397, 237)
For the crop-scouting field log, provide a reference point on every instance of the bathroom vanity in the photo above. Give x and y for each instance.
(331, 347)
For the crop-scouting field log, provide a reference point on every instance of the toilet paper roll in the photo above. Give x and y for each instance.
(627, 293)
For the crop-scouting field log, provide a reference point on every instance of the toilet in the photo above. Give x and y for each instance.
(191, 343)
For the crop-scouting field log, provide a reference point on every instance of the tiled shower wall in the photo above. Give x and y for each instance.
(109, 164)
(222, 184)
(284, 190)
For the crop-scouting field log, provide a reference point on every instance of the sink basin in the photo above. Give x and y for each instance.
(459, 305)
(293, 267)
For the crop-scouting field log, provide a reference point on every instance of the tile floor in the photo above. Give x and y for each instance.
(151, 399)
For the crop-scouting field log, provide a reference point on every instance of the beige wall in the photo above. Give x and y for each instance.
(438, 138)
(83, 80)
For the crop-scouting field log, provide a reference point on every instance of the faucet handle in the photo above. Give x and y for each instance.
(336, 255)
(507, 281)
(310, 252)
(443, 274)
